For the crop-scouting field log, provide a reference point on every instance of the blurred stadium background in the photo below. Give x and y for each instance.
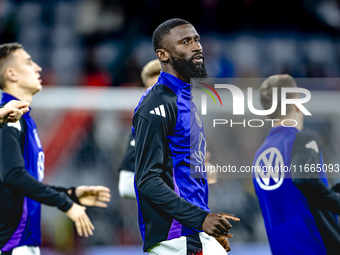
(92, 53)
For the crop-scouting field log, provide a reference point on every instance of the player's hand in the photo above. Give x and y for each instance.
(93, 195)
(13, 111)
(9, 114)
(83, 224)
(212, 176)
(223, 240)
(217, 224)
(20, 105)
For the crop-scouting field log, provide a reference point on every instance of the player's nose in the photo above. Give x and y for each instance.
(37, 68)
(197, 47)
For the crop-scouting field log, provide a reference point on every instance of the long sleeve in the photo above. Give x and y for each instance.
(126, 184)
(151, 157)
(127, 171)
(128, 162)
(70, 192)
(13, 173)
(306, 151)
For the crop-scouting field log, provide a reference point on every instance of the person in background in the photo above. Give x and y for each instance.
(299, 209)
(22, 165)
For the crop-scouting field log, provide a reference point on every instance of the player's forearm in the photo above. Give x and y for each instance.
(70, 192)
(319, 194)
(18, 179)
(316, 192)
(308, 182)
(160, 194)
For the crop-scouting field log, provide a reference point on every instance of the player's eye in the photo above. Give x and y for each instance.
(184, 42)
(197, 40)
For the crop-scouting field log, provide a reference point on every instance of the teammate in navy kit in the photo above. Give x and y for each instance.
(174, 216)
(126, 189)
(298, 207)
(22, 166)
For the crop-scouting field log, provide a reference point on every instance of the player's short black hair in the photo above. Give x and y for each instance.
(164, 29)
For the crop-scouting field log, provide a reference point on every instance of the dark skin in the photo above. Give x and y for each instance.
(217, 224)
(223, 240)
(184, 42)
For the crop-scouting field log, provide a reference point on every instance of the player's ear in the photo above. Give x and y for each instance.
(162, 55)
(11, 75)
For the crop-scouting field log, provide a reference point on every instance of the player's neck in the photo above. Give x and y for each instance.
(288, 122)
(20, 94)
(174, 73)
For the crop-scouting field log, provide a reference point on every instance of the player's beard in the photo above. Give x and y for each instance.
(188, 69)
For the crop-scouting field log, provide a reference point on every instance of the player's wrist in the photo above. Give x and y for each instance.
(71, 192)
(204, 216)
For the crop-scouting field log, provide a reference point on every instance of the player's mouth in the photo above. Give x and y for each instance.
(198, 58)
(40, 80)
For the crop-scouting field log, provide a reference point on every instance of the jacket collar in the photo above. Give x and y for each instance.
(174, 83)
(280, 129)
(8, 97)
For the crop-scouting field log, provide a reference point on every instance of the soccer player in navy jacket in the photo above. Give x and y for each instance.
(299, 209)
(22, 166)
(174, 217)
(126, 189)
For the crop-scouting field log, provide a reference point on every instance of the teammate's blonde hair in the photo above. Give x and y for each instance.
(151, 69)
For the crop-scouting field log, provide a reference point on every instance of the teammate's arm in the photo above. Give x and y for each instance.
(126, 184)
(12, 111)
(13, 172)
(127, 172)
(87, 195)
(70, 192)
(14, 176)
(306, 152)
